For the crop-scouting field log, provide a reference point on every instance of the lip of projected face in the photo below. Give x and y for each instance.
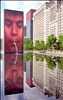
(11, 41)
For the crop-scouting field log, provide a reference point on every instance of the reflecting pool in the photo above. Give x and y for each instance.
(31, 77)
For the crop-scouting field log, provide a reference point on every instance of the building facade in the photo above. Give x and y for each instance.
(29, 24)
(38, 24)
(48, 19)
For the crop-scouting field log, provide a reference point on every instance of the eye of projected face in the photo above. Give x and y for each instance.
(19, 24)
(8, 22)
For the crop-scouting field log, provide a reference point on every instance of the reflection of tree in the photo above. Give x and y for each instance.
(60, 63)
(28, 57)
(28, 44)
(50, 62)
(39, 57)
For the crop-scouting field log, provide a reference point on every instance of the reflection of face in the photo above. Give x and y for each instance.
(13, 72)
(13, 28)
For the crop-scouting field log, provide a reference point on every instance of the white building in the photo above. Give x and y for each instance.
(48, 19)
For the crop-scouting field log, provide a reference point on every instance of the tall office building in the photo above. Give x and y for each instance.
(24, 31)
(53, 18)
(60, 17)
(29, 23)
(48, 19)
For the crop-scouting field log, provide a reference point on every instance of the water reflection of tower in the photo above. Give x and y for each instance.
(60, 83)
(29, 73)
(53, 82)
(13, 74)
(38, 75)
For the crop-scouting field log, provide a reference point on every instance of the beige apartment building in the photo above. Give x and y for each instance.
(60, 18)
(48, 19)
(39, 23)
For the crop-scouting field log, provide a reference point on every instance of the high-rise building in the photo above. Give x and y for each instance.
(29, 23)
(48, 19)
(60, 17)
(24, 31)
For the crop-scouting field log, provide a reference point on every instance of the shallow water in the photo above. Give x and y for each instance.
(31, 77)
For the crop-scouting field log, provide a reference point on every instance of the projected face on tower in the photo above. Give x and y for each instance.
(13, 31)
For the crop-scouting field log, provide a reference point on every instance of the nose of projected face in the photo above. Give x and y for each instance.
(14, 30)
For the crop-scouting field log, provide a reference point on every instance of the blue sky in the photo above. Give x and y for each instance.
(24, 6)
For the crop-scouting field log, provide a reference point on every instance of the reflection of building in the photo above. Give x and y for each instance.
(60, 83)
(48, 81)
(29, 24)
(24, 68)
(29, 73)
(53, 83)
(38, 75)
(48, 19)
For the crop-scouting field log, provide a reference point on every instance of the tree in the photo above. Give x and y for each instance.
(45, 47)
(60, 42)
(51, 40)
(42, 44)
(39, 45)
(28, 44)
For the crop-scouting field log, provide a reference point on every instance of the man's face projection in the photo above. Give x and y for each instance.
(13, 31)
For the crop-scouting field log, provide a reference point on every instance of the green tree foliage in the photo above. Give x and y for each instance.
(60, 42)
(28, 44)
(39, 45)
(51, 41)
(39, 57)
(56, 46)
(60, 63)
(50, 62)
(45, 47)
(28, 57)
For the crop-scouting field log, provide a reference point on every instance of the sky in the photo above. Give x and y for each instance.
(24, 6)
